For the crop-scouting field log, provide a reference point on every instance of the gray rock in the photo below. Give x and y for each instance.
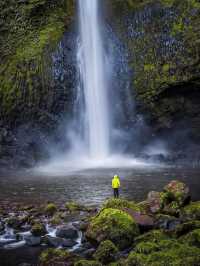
(67, 231)
(88, 253)
(52, 241)
(32, 240)
(68, 243)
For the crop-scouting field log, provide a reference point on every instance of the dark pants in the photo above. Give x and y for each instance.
(116, 192)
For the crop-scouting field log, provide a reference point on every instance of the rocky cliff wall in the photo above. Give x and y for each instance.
(163, 39)
(36, 40)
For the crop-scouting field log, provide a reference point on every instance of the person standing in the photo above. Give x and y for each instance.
(116, 186)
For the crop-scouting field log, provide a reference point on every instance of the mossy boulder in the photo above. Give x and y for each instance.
(74, 206)
(106, 252)
(154, 236)
(50, 209)
(38, 229)
(115, 225)
(167, 252)
(192, 238)
(53, 256)
(187, 227)
(56, 220)
(87, 263)
(178, 191)
(146, 247)
(192, 211)
(121, 204)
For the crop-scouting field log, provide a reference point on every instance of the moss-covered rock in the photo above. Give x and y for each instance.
(192, 238)
(87, 263)
(56, 220)
(74, 206)
(146, 247)
(154, 236)
(38, 229)
(115, 225)
(178, 191)
(187, 227)
(50, 209)
(192, 211)
(167, 252)
(54, 257)
(106, 252)
(121, 204)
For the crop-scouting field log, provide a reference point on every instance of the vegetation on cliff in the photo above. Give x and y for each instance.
(162, 38)
(30, 31)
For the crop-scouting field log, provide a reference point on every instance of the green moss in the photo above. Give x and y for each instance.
(115, 225)
(56, 220)
(121, 204)
(149, 67)
(166, 252)
(178, 256)
(192, 238)
(192, 211)
(146, 247)
(38, 229)
(187, 227)
(87, 263)
(135, 259)
(106, 252)
(33, 30)
(154, 236)
(52, 256)
(50, 209)
(74, 206)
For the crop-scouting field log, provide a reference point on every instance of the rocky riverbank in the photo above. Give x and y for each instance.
(162, 230)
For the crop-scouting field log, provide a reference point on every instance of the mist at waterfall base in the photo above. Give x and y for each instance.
(103, 131)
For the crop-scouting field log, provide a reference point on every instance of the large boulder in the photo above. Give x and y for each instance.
(32, 240)
(178, 191)
(121, 204)
(154, 201)
(67, 231)
(38, 229)
(106, 252)
(144, 221)
(115, 225)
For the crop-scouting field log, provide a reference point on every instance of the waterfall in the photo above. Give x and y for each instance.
(93, 81)
(95, 133)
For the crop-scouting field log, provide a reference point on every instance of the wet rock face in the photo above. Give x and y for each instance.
(37, 77)
(68, 232)
(163, 42)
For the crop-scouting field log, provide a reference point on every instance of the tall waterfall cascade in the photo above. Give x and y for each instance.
(93, 81)
(91, 131)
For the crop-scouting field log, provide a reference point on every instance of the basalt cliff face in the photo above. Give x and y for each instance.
(163, 40)
(38, 69)
(36, 74)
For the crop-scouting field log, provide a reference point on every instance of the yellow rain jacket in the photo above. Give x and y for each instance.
(116, 182)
